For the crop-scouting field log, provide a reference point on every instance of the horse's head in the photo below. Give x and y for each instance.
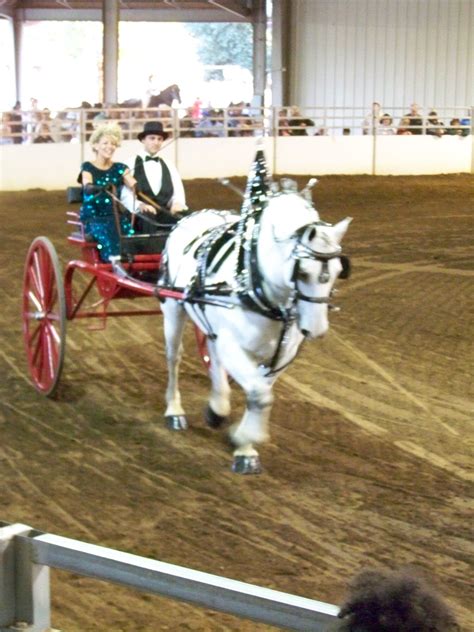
(318, 263)
(175, 93)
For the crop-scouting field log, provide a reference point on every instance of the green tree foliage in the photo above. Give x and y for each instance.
(224, 43)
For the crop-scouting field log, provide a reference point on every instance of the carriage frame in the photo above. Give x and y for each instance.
(50, 300)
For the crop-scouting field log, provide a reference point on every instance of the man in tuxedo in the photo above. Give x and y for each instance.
(159, 186)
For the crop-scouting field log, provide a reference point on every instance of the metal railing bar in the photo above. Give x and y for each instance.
(203, 589)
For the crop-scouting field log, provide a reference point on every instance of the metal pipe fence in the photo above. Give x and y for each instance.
(27, 555)
(76, 125)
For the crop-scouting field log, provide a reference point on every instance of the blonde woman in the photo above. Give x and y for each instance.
(98, 177)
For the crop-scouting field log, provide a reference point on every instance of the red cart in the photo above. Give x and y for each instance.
(50, 300)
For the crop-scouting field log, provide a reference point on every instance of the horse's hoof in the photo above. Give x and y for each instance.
(247, 465)
(176, 422)
(213, 420)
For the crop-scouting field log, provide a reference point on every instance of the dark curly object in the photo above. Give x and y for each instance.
(398, 601)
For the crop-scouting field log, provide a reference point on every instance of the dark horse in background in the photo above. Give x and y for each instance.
(165, 97)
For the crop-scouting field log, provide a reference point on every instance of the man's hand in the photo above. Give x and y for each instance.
(176, 207)
(147, 208)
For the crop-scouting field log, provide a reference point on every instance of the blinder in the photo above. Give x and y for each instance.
(304, 251)
(346, 267)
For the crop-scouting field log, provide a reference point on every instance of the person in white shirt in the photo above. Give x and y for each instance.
(372, 120)
(159, 188)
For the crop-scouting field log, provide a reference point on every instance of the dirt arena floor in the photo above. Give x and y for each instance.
(370, 460)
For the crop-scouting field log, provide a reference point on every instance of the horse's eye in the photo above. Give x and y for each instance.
(303, 276)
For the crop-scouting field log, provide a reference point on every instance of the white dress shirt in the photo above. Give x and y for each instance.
(153, 173)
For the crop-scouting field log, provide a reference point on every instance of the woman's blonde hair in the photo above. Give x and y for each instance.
(107, 129)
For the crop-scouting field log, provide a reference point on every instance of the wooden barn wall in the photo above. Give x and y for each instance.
(354, 52)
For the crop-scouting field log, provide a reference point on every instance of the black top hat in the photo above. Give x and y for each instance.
(153, 127)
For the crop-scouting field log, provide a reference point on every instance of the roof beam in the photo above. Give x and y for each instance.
(232, 6)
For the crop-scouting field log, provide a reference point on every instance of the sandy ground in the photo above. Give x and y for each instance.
(370, 459)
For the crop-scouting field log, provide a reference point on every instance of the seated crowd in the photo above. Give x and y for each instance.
(37, 125)
(413, 123)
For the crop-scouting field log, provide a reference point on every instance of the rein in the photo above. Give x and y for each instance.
(250, 283)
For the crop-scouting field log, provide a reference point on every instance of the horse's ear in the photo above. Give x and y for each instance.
(340, 229)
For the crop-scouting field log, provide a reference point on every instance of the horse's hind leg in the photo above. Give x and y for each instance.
(218, 407)
(174, 317)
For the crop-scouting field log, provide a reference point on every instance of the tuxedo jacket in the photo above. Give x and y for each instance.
(158, 183)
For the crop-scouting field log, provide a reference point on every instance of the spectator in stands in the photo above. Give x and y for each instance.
(434, 127)
(385, 127)
(16, 124)
(89, 116)
(283, 127)
(43, 125)
(346, 131)
(43, 133)
(403, 127)
(211, 124)
(398, 601)
(5, 129)
(297, 123)
(239, 121)
(196, 110)
(466, 124)
(32, 118)
(59, 128)
(371, 121)
(187, 124)
(416, 119)
(455, 127)
(322, 131)
(100, 116)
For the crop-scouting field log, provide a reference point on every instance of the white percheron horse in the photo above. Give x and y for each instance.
(257, 285)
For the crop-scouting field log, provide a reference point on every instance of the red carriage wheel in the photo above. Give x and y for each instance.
(44, 315)
(201, 342)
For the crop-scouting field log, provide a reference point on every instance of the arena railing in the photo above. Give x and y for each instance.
(26, 557)
(76, 125)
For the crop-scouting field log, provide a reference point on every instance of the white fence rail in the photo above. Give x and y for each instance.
(27, 555)
(227, 148)
(240, 120)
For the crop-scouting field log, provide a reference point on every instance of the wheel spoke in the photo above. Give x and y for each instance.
(34, 300)
(50, 355)
(37, 347)
(32, 336)
(37, 276)
(44, 317)
(53, 331)
(50, 287)
(33, 284)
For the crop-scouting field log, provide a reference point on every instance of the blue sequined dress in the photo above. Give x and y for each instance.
(97, 209)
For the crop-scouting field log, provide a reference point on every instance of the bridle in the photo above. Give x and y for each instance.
(252, 293)
(304, 251)
(249, 284)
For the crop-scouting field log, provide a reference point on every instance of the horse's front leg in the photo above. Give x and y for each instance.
(174, 317)
(253, 427)
(218, 408)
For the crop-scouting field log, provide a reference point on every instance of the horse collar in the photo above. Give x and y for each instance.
(250, 281)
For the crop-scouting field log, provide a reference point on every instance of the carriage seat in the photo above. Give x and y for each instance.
(130, 245)
(74, 195)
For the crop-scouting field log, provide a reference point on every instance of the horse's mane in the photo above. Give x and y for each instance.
(289, 211)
